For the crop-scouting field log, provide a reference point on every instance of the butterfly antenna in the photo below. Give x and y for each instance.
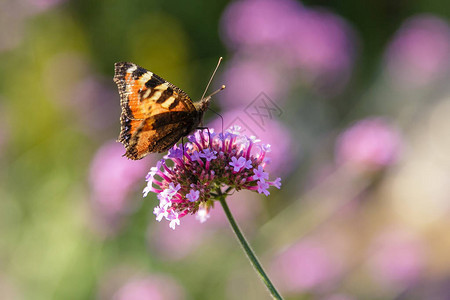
(210, 80)
(215, 92)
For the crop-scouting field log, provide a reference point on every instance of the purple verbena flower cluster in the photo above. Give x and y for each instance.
(208, 163)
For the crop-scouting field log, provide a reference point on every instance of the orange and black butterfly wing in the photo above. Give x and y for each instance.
(155, 113)
(160, 132)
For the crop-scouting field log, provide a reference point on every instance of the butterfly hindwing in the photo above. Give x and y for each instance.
(155, 113)
(159, 132)
(156, 140)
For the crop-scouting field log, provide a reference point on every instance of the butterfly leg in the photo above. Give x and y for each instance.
(182, 145)
(220, 116)
(209, 135)
(209, 138)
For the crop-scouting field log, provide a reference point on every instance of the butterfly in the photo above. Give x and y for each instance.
(155, 113)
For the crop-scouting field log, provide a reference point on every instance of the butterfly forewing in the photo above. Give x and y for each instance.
(155, 113)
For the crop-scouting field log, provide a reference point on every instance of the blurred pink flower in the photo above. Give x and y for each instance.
(368, 144)
(13, 19)
(112, 177)
(398, 258)
(81, 92)
(419, 53)
(90, 99)
(126, 283)
(258, 22)
(246, 79)
(318, 43)
(338, 297)
(323, 44)
(245, 206)
(306, 265)
(150, 287)
(177, 244)
(285, 149)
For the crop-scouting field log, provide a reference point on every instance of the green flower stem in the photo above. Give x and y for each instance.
(248, 250)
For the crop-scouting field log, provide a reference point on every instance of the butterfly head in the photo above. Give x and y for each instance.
(203, 104)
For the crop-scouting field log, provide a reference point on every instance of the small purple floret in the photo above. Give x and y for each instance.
(277, 183)
(238, 163)
(208, 154)
(193, 195)
(262, 187)
(195, 156)
(260, 174)
(175, 152)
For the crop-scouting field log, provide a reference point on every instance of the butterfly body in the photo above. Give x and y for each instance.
(155, 113)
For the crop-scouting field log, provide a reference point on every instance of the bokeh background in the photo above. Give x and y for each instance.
(353, 96)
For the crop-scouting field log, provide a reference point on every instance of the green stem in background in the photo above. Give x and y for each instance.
(248, 250)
